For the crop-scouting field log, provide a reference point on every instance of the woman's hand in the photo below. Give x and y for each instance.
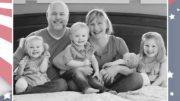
(110, 73)
(109, 64)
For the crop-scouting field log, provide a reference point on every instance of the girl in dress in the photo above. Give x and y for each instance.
(153, 58)
(32, 68)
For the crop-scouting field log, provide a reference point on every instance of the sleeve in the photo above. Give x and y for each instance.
(68, 56)
(122, 48)
(18, 55)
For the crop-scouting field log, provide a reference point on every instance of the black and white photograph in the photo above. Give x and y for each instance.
(122, 54)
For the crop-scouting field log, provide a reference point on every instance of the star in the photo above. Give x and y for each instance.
(170, 74)
(172, 16)
(178, 9)
(7, 96)
(171, 93)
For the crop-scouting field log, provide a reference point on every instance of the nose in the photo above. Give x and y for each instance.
(58, 16)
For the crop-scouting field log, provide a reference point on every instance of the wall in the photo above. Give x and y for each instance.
(133, 7)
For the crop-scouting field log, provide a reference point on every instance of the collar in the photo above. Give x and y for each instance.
(87, 46)
(54, 36)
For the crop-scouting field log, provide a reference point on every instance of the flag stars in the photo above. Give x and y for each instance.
(170, 74)
(171, 93)
(172, 16)
(7, 96)
(178, 9)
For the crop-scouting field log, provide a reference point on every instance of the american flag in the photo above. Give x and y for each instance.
(6, 48)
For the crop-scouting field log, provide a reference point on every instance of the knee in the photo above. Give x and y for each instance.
(77, 73)
(136, 79)
(61, 85)
(21, 85)
(72, 86)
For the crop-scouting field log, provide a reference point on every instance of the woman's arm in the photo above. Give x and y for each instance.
(95, 64)
(162, 75)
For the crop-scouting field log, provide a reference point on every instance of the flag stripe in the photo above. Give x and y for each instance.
(6, 70)
(6, 12)
(6, 1)
(172, 1)
(6, 21)
(6, 33)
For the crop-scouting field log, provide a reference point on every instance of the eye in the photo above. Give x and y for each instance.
(76, 35)
(54, 13)
(99, 23)
(61, 14)
(92, 24)
(83, 35)
(153, 46)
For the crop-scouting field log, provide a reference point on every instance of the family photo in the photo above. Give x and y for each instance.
(90, 50)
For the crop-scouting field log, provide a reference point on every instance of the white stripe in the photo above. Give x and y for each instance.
(6, 5)
(6, 50)
(6, 21)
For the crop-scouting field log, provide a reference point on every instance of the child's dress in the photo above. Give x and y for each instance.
(32, 72)
(152, 69)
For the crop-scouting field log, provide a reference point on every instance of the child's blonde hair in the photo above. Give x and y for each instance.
(159, 41)
(99, 13)
(25, 42)
(78, 26)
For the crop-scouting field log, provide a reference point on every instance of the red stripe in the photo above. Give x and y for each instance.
(6, 12)
(5, 1)
(172, 1)
(6, 70)
(6, 33)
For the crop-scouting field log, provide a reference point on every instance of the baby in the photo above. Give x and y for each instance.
(130, 60)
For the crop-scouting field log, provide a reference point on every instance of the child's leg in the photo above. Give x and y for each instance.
(163, 84)
(81, 81)
(21, 85)
(146, 80)
(98, 85)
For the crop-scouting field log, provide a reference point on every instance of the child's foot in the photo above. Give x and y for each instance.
(90, 90)
(113, 92)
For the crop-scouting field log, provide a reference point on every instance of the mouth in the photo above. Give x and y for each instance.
(97, 32)
(58, 22)
(35, 53)
(80, 42)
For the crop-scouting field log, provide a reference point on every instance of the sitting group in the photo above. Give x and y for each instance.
(86, 57)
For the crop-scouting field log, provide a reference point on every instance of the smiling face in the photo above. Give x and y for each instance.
(57, 16)
(80, 36)
(150, 48)
(98, 27)
(35, 48)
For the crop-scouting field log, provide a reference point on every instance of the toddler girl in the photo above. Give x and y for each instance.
(32, 68)
(153, 59)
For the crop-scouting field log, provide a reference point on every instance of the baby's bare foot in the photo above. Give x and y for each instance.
(90, 90)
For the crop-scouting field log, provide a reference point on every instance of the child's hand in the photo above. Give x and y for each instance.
(23, 62)
(47, 54)
(22, 42)
(109, 64)
(96, 75)
(87, 62)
